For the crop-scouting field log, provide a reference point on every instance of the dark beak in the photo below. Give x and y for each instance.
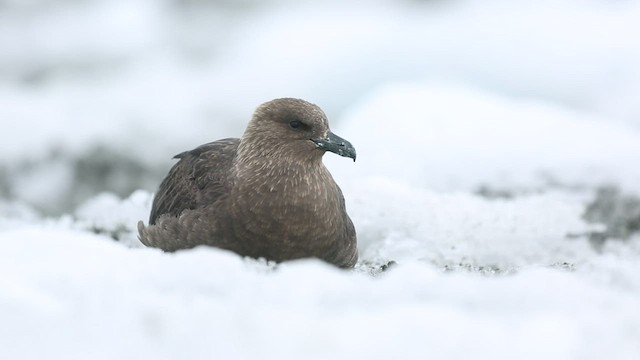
(336, 144)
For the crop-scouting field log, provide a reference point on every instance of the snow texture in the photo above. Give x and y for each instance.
(495, 194)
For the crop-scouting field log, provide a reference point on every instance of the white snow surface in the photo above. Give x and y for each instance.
(441, 99)
(70, 294)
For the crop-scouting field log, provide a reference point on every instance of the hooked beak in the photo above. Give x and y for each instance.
(336, 144)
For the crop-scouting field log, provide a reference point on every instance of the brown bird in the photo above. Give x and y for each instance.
(267, 194)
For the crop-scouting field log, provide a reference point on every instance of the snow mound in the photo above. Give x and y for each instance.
(455, 138)
(108, 214)
(83, 295)
(400, 223)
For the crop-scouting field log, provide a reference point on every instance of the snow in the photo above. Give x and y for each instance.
(487, 139)
(116, 302)
(483, 134)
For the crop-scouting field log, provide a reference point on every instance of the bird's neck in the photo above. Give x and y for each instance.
(264, 157)
(281, 174)
(268, 176)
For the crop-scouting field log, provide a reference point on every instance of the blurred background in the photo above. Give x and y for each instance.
(98, 95)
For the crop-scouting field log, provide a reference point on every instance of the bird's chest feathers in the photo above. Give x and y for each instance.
(294, 200)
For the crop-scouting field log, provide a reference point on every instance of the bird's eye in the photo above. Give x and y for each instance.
(295, 124)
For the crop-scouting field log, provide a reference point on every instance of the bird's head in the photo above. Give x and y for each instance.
(284, 126)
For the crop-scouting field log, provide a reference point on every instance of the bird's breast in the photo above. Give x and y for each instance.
(289, 211)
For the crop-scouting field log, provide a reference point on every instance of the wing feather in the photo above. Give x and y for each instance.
(199, 178)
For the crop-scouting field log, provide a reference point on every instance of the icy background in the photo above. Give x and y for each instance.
(496, 193)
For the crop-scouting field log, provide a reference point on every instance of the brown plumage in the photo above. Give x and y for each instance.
(266, 195)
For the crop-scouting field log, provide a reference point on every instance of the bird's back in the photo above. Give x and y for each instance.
(199, 178)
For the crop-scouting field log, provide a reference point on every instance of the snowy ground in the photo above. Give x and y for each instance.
(485, 135)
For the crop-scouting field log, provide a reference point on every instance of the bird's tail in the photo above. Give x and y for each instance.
(142, 233)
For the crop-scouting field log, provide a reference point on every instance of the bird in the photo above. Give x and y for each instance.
(265, 195)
